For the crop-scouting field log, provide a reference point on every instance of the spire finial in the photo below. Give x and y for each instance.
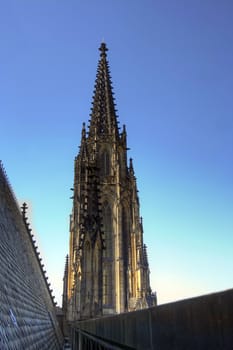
(24, 209)
(103, 49)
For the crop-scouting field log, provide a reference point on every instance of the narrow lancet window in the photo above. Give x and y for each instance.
(87, 270)
(105, 164)
(108, 256)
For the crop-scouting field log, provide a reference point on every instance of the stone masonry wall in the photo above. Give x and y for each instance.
(27, 310)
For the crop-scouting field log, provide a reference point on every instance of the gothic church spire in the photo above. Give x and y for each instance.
(103, 114)
(108, 272)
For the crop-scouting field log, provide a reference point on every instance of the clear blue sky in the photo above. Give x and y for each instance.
(172, 69)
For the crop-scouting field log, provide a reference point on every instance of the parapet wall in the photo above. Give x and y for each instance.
(27, 311)
(202, 323)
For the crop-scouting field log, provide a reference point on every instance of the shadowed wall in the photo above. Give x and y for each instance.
(27, 310)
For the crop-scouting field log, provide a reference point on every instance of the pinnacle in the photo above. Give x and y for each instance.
(84, 131)
(131, 169)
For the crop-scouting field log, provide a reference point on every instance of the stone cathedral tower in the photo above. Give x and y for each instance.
(107, 269)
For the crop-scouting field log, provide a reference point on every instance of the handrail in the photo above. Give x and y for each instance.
(99, 342)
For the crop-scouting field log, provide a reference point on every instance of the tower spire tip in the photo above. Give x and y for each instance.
(103, 49)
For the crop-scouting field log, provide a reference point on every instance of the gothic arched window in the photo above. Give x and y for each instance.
(87, 268)
(108, 256)
(97, 272)
(125, 245)
(107, 223)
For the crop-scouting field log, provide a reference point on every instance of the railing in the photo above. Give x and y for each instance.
(201, 323)
(82, 340)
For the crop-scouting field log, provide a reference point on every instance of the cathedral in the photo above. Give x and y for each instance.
(107, 269)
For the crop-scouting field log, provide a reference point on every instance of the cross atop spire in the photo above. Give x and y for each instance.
(103, 114)
(103, 49)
